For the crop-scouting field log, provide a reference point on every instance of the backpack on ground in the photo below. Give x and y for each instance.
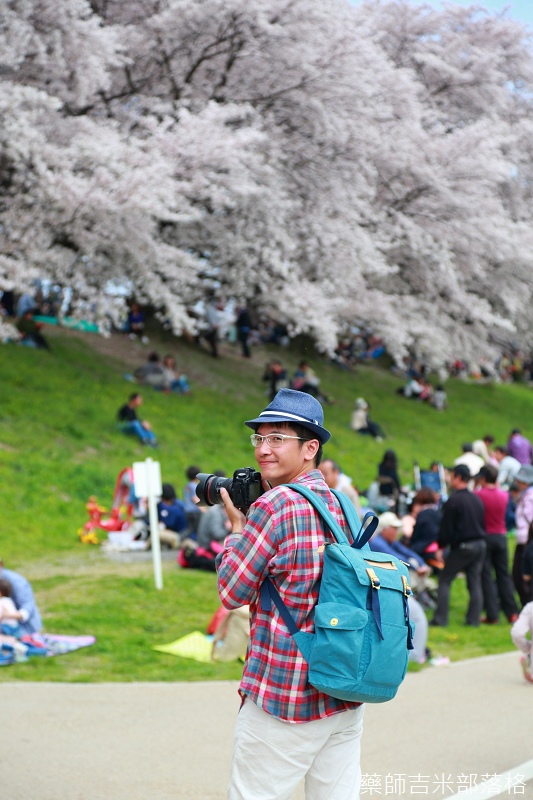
(359, 650)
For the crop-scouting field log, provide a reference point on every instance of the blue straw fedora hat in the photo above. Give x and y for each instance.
(292, 406)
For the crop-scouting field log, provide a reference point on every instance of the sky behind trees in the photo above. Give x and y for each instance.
(519, 10)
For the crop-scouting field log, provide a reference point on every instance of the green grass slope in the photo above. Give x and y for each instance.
(59, 444)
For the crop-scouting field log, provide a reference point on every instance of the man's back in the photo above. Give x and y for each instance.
(126, 413)
(473, 462)
(463, 519)
(495, 502)
(507, 469)
(520, 448)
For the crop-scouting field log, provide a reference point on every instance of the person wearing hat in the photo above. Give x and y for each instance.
(282, 538)
(385, 541)
(462, 530)
(524, 518)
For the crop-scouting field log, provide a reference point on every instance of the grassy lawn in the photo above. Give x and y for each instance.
(59, 444)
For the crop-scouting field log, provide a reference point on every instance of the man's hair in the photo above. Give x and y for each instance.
(335, 467)
(303, 433)
(488, 472)
(153, 357)
(5, 588)
(425, 496)
(168, 493)
(192, 472)
(133, 396)
(488, 438)
(467, 447)
(462, 472)
(501, 448)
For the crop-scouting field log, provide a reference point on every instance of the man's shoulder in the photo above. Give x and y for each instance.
(13, 577)
(284, 495)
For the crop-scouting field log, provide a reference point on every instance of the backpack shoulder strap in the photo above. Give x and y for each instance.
(365, 529)
(322, 510)
(268, 591)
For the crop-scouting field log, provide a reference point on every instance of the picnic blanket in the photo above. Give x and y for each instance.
(45, 645)
(195, 645)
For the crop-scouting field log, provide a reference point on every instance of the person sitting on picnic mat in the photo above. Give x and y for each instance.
(21, 594)
(282, 537)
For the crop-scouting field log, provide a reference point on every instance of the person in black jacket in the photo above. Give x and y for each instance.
(426, 529)
(462, 530)
(243, 325)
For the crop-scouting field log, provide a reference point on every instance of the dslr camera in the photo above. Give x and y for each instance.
(244, 488)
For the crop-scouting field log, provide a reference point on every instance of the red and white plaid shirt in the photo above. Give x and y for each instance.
(281, 540)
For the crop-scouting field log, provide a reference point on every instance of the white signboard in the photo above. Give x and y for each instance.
(147, 478)
(147, 483)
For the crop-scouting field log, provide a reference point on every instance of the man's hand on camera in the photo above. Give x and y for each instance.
(236, 517)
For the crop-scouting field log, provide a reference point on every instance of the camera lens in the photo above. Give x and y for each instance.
(208, 490)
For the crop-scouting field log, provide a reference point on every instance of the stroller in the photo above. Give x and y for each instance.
(434, 480)
(121, 514)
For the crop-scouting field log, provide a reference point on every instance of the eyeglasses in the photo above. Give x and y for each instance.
(272, 440)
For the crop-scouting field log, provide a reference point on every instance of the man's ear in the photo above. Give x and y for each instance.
(311, 449)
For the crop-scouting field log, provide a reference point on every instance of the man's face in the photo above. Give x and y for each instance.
(456, 482)
(331, 475)
(284, 464)
(498, 455)
(390, 533)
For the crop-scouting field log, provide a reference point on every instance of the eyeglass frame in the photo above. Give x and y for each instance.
(265, 438)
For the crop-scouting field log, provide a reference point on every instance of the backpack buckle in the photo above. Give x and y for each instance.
(374, 580)
(406, 588)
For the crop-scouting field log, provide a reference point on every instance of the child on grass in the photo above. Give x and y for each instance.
(9, 616)
(519, 631)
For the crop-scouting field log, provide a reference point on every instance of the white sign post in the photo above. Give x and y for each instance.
(147, 483)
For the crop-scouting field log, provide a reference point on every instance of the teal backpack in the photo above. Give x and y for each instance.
(359, 650)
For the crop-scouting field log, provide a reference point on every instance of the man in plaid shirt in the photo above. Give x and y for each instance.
(286, 729)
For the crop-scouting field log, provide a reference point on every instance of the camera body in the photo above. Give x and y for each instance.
(244, 488)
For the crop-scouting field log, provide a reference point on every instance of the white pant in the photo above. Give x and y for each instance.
(270, 756)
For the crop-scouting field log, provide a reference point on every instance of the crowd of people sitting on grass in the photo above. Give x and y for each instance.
(510, 366)
(304, 379)
(161, 374)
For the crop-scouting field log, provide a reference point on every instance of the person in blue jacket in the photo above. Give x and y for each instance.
(385, 541)
(171, 511)
(22, 596)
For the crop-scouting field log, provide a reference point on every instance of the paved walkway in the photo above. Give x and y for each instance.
(172, 741)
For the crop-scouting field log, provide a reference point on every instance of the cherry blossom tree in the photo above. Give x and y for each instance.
(331, 165)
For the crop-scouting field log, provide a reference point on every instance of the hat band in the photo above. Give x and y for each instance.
(286, 414)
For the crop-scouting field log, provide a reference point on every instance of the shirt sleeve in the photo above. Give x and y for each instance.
(24, 599)
(246, 558)
(521, 628)
(445, 536)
